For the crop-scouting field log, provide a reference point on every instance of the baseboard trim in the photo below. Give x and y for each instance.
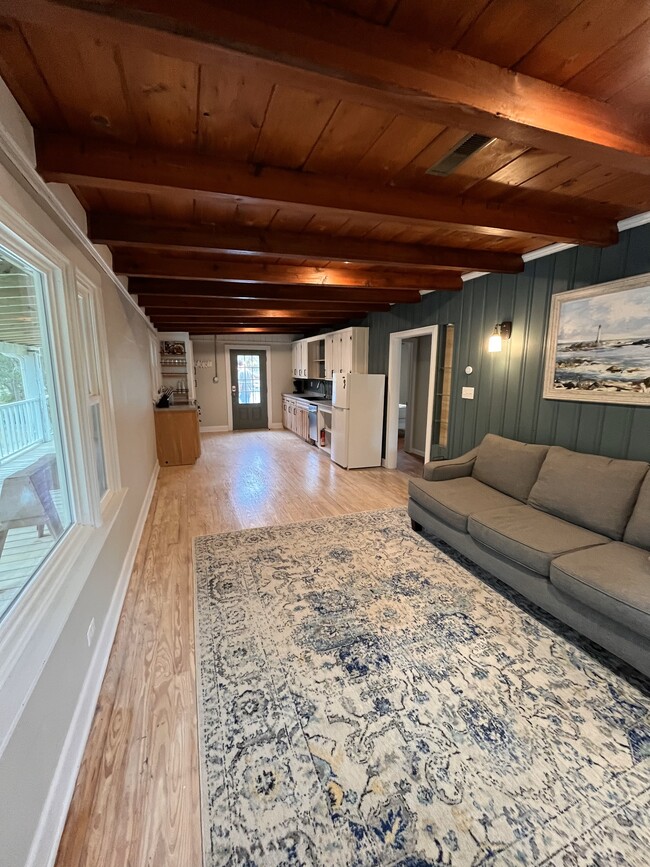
(46, 841)
(276, 425)
(219, 428)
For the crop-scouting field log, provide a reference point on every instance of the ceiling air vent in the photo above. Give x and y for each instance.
(463, 151)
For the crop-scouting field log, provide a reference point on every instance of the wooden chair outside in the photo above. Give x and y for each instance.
(26, 499)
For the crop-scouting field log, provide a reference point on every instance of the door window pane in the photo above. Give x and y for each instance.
(34, 500)
(248, 379)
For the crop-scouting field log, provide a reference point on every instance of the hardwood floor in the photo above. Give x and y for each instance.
(136, 801)
(408, 463)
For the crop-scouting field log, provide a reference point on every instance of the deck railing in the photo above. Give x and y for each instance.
(22, 424)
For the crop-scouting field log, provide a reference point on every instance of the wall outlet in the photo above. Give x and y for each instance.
(467, 392)
(91, 632)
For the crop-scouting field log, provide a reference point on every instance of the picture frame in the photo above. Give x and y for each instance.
(598, 344)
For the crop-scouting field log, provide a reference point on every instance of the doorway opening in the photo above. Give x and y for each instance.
(419, 377)
(415, 363)
(248, 408)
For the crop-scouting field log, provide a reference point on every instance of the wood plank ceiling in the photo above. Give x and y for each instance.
(262, 165)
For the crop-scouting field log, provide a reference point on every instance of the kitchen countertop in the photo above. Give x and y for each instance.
(301, 397)
(178, 408)
(316, 400)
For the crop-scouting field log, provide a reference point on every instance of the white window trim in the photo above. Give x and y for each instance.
(109, 433)
(30, 631)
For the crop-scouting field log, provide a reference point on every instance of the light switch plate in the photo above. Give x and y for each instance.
(468, 392)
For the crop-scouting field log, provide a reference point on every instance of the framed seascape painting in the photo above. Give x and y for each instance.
(598, 345)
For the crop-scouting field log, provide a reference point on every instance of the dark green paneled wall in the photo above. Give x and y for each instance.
(509, 384)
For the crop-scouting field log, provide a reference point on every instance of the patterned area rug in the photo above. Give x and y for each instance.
(368, 698)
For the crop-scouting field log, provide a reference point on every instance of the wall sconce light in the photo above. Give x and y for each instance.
(502, 331)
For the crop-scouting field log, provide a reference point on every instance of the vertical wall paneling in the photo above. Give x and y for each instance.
(509, 384)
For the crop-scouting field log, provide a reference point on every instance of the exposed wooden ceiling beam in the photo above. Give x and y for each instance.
(197, 325)
(147, 264)
(109, 165)
(237, 316)
(314, 47)
(161, 303)
(235, 329)
(245, 315)
(212, 289)
(259, 320)
(119, 231)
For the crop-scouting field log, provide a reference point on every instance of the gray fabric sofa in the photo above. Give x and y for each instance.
(569, 531)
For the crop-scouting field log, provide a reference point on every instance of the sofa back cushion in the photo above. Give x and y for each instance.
(508, 466)
(590, 490)
(637, 531)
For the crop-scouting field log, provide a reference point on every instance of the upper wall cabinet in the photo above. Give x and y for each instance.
(321, 357)
(346, 351)
(299, 359)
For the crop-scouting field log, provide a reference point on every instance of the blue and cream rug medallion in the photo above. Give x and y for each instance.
(369, 698)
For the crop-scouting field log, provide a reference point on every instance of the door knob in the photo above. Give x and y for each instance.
(233, 388)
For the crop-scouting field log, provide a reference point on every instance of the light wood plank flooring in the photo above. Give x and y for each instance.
(136, 803)
(408, 463)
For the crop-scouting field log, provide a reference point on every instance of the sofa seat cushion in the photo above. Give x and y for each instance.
(453, 501)
(613, 579)
(530, 537)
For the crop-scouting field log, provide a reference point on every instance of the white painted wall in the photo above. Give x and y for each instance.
(28, 765)
(213, 398)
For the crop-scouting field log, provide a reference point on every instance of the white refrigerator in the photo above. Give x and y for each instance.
(357, 419)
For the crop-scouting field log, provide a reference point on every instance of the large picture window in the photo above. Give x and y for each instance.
(35, 503)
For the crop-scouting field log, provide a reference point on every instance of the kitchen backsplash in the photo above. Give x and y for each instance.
(313, 386)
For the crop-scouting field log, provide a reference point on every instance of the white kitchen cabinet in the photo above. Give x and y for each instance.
(355, 353)
(346, 351)
(332, 354)
(295, 416)
(299, 359)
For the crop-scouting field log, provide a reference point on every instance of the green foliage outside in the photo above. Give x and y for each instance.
(11, 380)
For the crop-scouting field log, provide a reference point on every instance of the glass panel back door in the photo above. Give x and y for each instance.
(248, 389)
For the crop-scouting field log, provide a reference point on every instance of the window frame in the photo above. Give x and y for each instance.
(28, 633)
(96, 343)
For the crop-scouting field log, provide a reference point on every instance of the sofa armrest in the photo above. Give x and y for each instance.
(442, 471)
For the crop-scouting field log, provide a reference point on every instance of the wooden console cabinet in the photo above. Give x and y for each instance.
(178, 440)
